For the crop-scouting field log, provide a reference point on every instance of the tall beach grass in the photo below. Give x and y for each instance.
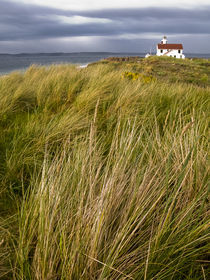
(102, 177)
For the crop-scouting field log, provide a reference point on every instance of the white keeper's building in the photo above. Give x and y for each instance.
(172, 50)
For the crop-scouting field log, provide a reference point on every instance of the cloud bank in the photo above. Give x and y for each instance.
(117, 29)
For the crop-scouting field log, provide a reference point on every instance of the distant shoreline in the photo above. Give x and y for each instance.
(20, 62)
(189, 55)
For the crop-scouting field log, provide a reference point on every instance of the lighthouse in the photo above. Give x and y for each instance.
(164, 40)
(172, 50)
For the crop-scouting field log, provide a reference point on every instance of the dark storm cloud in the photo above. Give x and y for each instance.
(26, 22)
(158, 13)
(21, 22)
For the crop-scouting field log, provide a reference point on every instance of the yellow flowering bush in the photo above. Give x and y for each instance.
(136, 76)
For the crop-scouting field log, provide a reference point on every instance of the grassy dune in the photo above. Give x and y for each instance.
(103, 176)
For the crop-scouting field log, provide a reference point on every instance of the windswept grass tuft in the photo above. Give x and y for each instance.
(102, 177)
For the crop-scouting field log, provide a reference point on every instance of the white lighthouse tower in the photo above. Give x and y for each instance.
(164, 40)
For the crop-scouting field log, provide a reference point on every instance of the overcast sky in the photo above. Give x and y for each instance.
(111, 25)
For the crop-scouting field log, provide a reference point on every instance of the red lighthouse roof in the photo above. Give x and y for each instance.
(170, 46)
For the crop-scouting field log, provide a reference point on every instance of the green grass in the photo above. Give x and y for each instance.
(102, 177)
(166, 69)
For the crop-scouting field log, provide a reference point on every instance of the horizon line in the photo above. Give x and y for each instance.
(102, 52)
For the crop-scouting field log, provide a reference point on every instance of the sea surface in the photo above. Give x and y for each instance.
(13, 62)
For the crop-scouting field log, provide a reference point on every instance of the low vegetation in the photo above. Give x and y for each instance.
(103, 176)
(166, 69)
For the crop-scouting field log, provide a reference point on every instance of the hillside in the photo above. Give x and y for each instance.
(103, 171)
(166, 69)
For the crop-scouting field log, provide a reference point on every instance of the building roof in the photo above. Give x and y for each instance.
(170, 46)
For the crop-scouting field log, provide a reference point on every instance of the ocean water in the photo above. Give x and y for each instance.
(13, 62)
